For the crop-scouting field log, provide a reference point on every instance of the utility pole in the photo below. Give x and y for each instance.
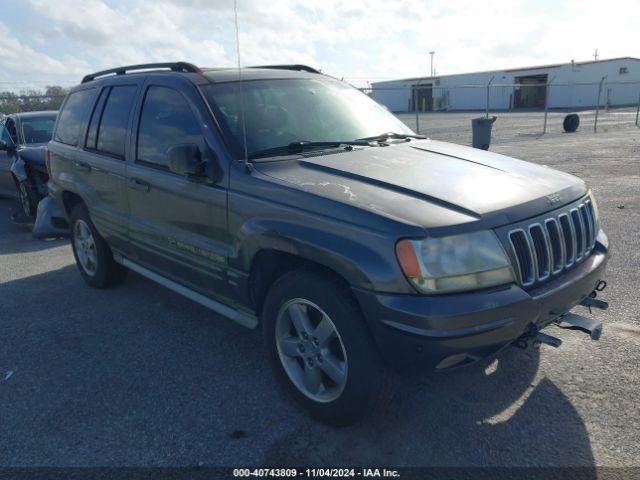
(595, 55)
(431, 53)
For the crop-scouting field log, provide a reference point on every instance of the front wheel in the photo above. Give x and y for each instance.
(320, 348)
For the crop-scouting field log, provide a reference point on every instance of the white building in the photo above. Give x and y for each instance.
(572, 86)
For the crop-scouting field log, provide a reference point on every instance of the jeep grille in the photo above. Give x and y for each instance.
(550, 246)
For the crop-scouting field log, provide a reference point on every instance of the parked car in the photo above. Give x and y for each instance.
(23, 140)
(294, 202)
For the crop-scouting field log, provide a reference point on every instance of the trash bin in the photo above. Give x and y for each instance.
(481, 128)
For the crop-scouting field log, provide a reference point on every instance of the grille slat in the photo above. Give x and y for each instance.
(587, 226)
(569, 237)
(524, 255)
(578, 227)
(541, 249)
(547, 248)
(557, 244)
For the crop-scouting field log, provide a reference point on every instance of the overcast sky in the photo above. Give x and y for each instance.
(45, 41)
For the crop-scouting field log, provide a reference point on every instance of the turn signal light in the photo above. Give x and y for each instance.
(408, 259)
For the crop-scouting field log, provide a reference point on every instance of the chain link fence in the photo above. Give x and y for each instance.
(523, 110)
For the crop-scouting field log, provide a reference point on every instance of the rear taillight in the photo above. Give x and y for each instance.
(47, 161)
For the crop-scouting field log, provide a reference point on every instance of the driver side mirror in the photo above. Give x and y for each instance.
(186, 159)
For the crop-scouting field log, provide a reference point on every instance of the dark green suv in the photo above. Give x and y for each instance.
(282, 197)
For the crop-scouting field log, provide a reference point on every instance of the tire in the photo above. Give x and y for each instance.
(28, 197)
(320, 296)
(571, 123)
(93, 256)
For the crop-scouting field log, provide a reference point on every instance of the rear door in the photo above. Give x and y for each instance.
(178, 225)
(67, 137)
(102, 161)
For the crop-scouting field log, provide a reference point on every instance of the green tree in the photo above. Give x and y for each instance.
(32, 100)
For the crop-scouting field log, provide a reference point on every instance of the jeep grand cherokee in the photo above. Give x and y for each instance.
(281, 197)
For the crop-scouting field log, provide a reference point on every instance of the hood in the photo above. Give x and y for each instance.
(33, 154)
(432, 184)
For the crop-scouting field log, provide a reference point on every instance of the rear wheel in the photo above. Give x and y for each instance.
(320, 348)
(93, 256)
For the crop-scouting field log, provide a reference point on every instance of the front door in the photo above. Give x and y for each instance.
(177, 225)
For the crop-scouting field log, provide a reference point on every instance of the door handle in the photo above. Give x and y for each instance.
(85, 167)
(137, 184)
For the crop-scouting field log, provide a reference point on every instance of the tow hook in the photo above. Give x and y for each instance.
(535, 338)
(595, 303)
(571, 321)
(590, 300)
(541, 338)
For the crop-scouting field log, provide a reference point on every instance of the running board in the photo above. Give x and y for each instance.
(244, 319)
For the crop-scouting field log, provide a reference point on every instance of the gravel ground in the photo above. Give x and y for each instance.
(140, 376)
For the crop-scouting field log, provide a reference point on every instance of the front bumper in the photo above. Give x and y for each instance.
(438, 332)
(50, 220)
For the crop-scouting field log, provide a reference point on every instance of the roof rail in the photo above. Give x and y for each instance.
(297, 66)
(173, 66)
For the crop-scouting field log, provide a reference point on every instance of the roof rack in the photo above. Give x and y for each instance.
(173, 66)
(297, 67)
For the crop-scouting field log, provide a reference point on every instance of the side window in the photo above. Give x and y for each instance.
(166, 120)
(108, 126)
(73, 113)
(92, 132)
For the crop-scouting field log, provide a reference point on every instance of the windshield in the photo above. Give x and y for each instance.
(37, 129)
(279, 112)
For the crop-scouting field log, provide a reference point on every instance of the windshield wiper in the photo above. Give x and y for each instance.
(299, 147)
(391, 135)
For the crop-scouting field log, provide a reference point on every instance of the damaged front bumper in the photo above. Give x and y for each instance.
(50, 220)
(569, 321)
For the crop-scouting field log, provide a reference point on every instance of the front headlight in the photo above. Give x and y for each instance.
(457, 263)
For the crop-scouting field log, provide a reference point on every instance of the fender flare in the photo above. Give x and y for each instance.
(356, 261)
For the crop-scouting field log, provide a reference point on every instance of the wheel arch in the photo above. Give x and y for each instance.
(270, 264)
(70, 200)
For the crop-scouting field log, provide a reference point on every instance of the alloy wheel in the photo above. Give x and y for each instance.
(85, 247)
(311, 350)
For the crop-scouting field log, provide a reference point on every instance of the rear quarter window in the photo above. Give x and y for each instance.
(72, 115)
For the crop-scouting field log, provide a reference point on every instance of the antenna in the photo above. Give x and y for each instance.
(242, 116)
